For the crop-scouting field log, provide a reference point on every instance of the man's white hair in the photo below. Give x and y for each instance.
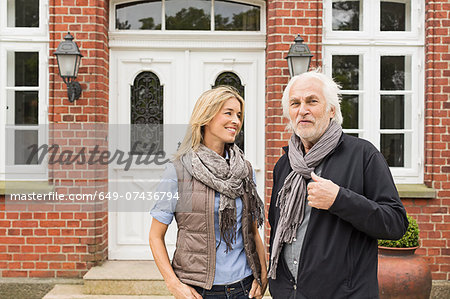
(330, 91)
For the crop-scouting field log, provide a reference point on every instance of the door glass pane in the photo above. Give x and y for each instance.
(188, 14)
(26, 68)
(392, 112)
(23, 13)
(230, 15)
(146, 114)
(231, 79)
(139, 15)
(392, 16)
(26, 108)
(392, 73)
(350, 109)
(346, 71)
(23, 146)
(392, 147)
(346, 15)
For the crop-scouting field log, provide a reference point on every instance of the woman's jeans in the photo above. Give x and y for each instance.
(237, 290)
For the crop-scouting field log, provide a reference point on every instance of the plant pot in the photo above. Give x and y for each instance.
(403, 274)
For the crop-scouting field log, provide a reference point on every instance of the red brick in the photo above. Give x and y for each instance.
(14, 273)
(42, 274)
(53, 257)
(25, 257)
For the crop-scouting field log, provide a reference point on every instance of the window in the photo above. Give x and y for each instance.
(231, 79)
(375, 50)
(195, 15)
(146, 106)
(23, 87)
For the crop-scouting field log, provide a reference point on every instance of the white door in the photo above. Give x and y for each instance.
(183, 75)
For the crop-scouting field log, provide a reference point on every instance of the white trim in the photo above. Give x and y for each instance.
(179, 40)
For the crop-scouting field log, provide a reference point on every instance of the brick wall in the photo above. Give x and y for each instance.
(288, 18)
(66, 239)
(285, 19)
(433, 215)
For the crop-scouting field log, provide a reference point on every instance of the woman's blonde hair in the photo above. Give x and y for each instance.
(206, 107)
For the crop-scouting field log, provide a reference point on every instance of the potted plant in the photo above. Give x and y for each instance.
(401, 272)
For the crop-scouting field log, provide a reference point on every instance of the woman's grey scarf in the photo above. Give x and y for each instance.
(231, 180)
(291, 198)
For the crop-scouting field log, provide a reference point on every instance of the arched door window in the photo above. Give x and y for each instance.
(146, 114)
(231, 79)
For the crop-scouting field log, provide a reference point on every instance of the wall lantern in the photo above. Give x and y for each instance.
(69, 57)
(299, 57)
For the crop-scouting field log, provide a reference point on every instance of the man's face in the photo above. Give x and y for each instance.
(308, 110)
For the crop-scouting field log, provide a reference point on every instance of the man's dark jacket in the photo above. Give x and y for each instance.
(339, 253)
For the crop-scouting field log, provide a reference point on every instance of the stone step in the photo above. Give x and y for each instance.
(65, 291)
(130, 278)
(125, 278)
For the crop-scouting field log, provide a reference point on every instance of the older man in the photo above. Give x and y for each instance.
(333, 196)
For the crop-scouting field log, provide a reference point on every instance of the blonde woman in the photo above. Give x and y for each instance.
(219, 253)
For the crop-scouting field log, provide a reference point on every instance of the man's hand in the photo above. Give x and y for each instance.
(257, 291)
(322, 192)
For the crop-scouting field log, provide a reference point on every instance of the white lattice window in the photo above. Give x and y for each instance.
(375, 50)
(23, 86)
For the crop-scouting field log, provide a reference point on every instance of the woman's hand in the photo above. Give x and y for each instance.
(257, 291)
(159, 250)
(183, 291)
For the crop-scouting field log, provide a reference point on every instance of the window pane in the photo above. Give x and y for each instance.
(146, 114)
(23, 139)
(26, 108)
(346, 71)
(346, 15)
(188, 15)
(26, 68)
(350, 109)
(144, 15)
(236, 16)
(23, 13)
(393, 149)
(392, 112)
(392, 16)
(392, 73)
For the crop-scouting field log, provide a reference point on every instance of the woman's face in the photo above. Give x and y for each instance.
(224, 126)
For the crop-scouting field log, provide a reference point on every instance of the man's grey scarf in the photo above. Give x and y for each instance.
(231, 180)
(291, 198)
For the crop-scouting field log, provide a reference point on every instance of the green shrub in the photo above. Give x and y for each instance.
(409, 239)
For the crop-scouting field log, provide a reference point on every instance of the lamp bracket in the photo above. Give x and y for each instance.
(73, 91)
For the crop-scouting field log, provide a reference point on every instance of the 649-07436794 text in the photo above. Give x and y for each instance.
(130, 196)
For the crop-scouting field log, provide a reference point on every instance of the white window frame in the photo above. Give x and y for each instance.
(371, 44)
(23, 40)
(370, 32)
(195, 33)
(24, 33)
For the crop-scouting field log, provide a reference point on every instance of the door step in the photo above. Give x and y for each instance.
(125, 278)
(117, 280)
